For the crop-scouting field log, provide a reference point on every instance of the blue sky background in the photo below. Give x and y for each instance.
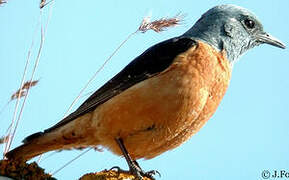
(248, 133)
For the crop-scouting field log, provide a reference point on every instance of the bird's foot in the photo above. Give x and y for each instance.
(138, 173)
(150, 174)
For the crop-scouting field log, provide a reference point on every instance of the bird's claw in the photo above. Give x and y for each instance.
(151, 173)
(138, 173)
(118, 169)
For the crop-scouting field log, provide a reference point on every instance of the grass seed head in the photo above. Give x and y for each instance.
(159, 25)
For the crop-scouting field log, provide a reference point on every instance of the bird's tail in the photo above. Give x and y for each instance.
(34, 145)
(75, 134)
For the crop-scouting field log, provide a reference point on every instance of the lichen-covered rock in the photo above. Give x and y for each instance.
(109, 175)
(23, 170)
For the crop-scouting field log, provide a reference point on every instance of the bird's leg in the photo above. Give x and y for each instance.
(134, 167)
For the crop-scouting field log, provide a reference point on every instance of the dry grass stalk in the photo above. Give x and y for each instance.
(23, 90)
(43, 3)
(14, 122)
(159, 25)
(10, 133)
(69, 162)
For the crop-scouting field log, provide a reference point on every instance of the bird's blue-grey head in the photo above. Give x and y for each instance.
(233, 29)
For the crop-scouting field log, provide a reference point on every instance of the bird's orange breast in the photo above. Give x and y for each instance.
(161, 112)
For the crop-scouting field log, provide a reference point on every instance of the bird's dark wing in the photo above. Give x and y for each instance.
(153, 61)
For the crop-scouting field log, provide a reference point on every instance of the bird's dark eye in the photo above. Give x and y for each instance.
(249, 23)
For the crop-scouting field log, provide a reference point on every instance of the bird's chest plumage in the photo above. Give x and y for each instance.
(161, 112)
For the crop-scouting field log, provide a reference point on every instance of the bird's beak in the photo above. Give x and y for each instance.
(268, 39)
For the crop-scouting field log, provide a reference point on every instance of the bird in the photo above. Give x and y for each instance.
(162, 97)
